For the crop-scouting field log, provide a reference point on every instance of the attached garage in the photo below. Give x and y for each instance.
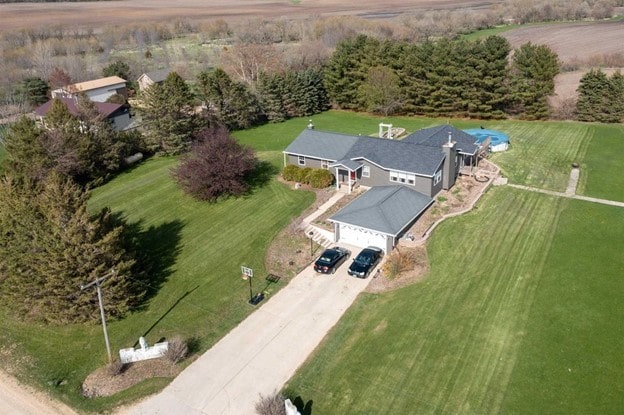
(379, 216)
(357, 236)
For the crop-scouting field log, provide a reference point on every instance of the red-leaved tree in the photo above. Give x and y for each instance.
(216, 166)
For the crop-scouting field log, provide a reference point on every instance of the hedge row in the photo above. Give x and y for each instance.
(317, 178)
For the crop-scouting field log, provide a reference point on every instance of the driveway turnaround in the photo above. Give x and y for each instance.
(261, 353)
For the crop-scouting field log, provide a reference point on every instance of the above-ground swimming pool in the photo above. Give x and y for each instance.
(499, 141)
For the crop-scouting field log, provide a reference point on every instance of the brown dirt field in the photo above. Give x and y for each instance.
(573, 40)
(93, 14)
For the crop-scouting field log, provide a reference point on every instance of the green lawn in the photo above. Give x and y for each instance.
(474, 307)
(197, 248)
(522, 315)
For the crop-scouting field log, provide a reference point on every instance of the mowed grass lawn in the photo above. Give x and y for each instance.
(521, 313)
(197, 249)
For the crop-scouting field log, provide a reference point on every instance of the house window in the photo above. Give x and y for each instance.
(400, 177)
(365, 171)
(324, 164)
(394, 176)
(437, 177)
(302, 160)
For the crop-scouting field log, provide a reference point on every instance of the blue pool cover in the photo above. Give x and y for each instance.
(481, 134)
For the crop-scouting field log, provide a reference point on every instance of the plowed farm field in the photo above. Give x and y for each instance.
(573, 40)
(27, 15)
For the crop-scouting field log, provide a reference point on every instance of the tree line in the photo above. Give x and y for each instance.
(601, 97)
(442, 78)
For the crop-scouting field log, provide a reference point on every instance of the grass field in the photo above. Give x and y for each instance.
(197, 248)
(521, 316)
(504, 247)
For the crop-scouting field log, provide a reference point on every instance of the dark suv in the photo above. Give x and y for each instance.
(364, 263)
(331, 259)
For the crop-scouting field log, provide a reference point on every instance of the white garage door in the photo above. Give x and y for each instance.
(361, 237)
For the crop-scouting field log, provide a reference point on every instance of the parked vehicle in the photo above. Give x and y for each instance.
(331, 259)
(364, 263)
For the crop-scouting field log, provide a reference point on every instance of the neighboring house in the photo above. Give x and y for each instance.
(117, 114)
(98, 90)
(151, 78)
(427, 160)
(404, 176)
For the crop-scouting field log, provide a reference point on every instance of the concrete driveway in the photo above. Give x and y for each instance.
(262, 352)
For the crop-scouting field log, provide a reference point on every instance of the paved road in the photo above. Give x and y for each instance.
(263, 352)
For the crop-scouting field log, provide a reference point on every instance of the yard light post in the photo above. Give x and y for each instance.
(97, 282)
(311, 234)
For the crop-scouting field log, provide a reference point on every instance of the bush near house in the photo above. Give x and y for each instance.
(317, 178)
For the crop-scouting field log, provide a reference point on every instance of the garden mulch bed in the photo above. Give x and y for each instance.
(102, 383)
(381, 283)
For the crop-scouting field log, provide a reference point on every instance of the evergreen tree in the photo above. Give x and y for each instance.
(168, 115)
(35, 90)
(117, 68)
(272, 91)
(27, 157)
(229, 103)
(593, 91)
(347, 70)
(534, 68)
(50, 245)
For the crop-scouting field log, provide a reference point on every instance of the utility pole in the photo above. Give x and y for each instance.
(97, 282)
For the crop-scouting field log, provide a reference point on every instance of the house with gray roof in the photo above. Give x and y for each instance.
(403, 176)
(427, 160)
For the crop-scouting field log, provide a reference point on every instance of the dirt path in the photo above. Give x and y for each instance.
(17, 399)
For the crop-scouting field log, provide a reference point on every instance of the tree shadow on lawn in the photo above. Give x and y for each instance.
(261, 175)
(155, 250)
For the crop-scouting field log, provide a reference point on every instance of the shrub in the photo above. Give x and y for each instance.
(321, 178)
(272, 404)
(178, 350)
(317, 178)
(398, 262)
(290, 172)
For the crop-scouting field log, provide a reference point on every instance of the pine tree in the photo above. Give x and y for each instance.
(593, 90)
(168, 115)
(229, 103)
(27, 157)
(35, 90)
(50, 245)
(534, 68)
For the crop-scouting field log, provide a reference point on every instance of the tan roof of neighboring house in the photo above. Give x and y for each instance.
(96, 83)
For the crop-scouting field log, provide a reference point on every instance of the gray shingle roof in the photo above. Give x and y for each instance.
(350, 164)
(385, 209)
(398, 155)
(437, 136)
(322, 145)
(158, 75)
